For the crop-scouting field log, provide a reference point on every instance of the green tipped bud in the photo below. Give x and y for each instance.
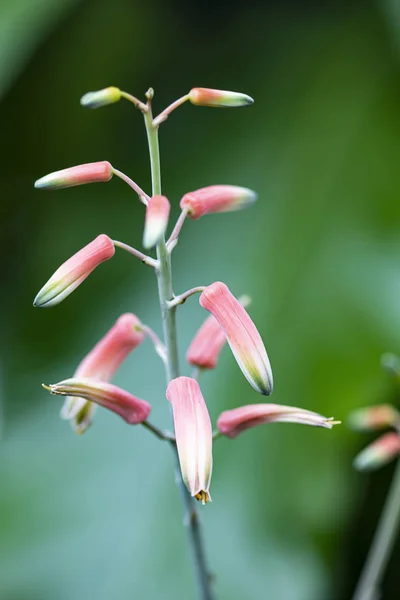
(379, 453)
(101, 98)
(218, 98)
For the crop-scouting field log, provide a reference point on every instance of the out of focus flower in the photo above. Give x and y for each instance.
(241, 334)
(193, 433)
(156, 221)
(374, 417)
(216, 199)
(232, 422)
(218, 98)
(75, 270)
(100, 98)
(79, 175)
(379, 453)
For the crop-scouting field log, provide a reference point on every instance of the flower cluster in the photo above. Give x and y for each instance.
(228, 322)
(374, 418)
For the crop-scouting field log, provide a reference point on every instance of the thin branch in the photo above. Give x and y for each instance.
(161, 434)
(173, 239)
(135, 101)
(183, 297)
(147, 260)
(143, 197)
(163, 116)
(158, 344)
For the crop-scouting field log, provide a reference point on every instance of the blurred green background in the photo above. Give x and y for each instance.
(99, 516)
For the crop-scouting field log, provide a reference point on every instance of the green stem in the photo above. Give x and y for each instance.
(385, 536)
(165, 293)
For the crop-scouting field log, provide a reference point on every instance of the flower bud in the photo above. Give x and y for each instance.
(217, 199)
(208, 342)
(102, 363)
(232, 422)
(241, 334)
(218, 98)
(129, 407)
(157, 215)
(79, 175)
(100, 98)
(193, 433)
(374, 417)
(75, 270)
(379, 453)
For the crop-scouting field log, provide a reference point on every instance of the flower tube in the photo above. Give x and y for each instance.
(80, 175)
(232, 422)
(241, 334)
(74, 271)
(156, 221)
(379, 453)
(374, 417)
(216, 199)
(218, 98)
(193, 433)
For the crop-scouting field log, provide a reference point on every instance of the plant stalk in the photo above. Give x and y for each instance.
(368, 587)
(165, 293)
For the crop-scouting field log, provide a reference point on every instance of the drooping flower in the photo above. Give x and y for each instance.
(132, 409)
(101, 363)
(79, 175)
(241, 334)
(232, 422)
(218, 98)
(216, 199)
(193, 433)
(379, 453)
(156, 221)
(374, 417)
(100, 98)
(75, 270)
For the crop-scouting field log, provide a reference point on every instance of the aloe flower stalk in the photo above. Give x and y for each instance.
(193, 433)
(218, 98)
(80, 175)
(101, 363)
(217, 199)
(156, 221)
(379, 453)
(241, 334)
(74, 271)
(132, 409)
(232, 422)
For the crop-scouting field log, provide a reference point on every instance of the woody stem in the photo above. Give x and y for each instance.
(165, 293)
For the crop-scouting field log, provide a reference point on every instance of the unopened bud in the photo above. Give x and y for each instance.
(100, 98)
(79, 175)
(218, 98)
(374, 417)
(217, 199)
(156, 221)
(379, 453)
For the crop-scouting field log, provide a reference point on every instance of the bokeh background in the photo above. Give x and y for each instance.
(99, 516)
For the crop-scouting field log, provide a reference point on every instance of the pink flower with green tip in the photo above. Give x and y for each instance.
(79, 175)
(156, 221)
(74, 271)
(374, 417)
(193, 434)
(379, 453)
(217, 199)
(241, 334)
(101, 363)
(232, 422)
(218, 98)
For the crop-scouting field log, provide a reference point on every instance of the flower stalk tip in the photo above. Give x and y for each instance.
(156, 221)
(217, 199)
(193, 434)
(218, 98)
(241, 334)
(80, 175)
(100, 98)
(74, 271)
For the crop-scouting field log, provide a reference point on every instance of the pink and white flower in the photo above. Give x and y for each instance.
(379, 453)
(81, 174)
(218, 98)
(156, 221)
(216, 199)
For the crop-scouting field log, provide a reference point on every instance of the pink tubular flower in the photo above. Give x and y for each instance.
(374, 417)
(232, 422)
(131, 409)
(157, 215)
(379, 453)
(75, 270)
(101, 363)
(79, 175)
(241, 334)
(193, 433)
(216, 199)
(218, 98)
